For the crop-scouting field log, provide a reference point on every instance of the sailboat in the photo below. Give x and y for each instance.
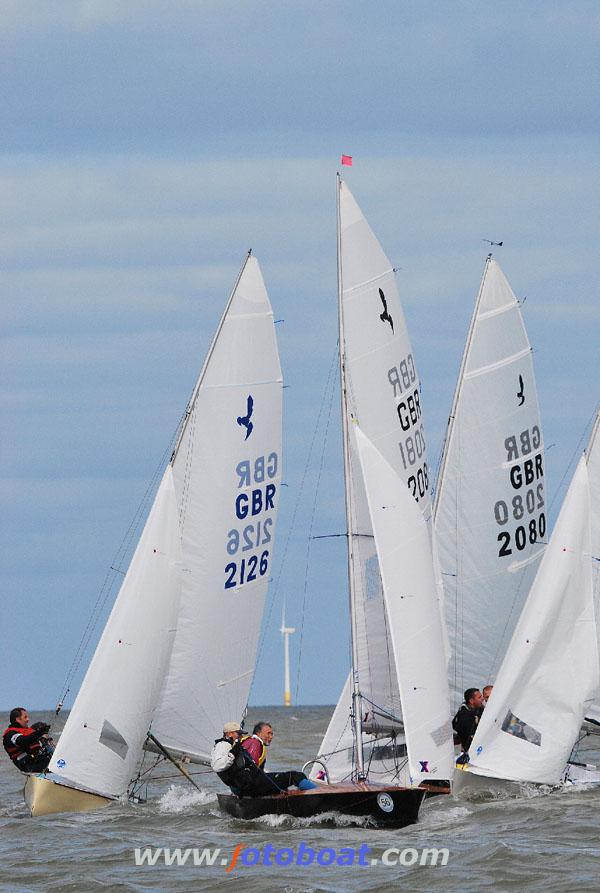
(592, 456)
(550, 673)
(490, 504)
(389, 740)
(177, 654)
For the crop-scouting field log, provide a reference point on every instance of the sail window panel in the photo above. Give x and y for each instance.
(373, 587)
(512, 725)
(112, 738)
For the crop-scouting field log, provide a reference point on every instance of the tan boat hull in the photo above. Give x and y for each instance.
(45, 797)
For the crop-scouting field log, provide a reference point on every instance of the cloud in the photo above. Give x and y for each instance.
(192, 76)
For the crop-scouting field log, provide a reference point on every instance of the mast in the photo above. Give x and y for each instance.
(211, 349)
(459, 384)
(356, 695)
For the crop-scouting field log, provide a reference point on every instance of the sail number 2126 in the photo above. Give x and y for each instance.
(254, 503)
(246, 570)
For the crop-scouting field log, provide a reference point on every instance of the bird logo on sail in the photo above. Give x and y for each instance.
(385, 316)
(244, 420)
(521, 391)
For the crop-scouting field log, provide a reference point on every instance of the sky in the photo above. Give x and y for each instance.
(145, 146)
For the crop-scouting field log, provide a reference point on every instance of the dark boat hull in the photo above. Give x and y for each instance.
(384, 807)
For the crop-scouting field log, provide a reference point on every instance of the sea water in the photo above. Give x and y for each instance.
(535, 841)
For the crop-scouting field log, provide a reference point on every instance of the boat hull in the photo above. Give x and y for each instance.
(471, 786)
(45, 797)
(384, 807)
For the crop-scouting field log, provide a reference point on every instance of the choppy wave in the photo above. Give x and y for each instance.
(179, 799)
(324, 818)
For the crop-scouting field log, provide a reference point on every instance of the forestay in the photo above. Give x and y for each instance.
(227, 472)
(384, 395)
(490, 508)
(103, 736)
(410, 592)
(550, 672)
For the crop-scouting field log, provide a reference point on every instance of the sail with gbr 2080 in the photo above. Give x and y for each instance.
(177, 654)
(490, 503)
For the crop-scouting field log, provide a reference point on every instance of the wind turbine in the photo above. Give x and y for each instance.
(286, 632)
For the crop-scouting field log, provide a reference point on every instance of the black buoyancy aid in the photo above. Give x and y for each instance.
(14, 752)
(234, 774)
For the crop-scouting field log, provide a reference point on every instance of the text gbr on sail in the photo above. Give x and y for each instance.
(252, 505)
(405, 387)
(524, 511)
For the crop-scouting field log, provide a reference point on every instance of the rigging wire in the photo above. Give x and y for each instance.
(576, 453)
(331, 386)
(274, 590)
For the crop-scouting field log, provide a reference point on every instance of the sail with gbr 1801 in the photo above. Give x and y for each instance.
(178, 652)
(381, 391)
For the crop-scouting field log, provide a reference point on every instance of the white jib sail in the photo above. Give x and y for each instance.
(409, 585)
(227, 471)
(550, 672)
(490, 507)
(384, 395)
(103, 736)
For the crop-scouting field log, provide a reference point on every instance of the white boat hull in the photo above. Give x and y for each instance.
(471, 786)
(45, 797)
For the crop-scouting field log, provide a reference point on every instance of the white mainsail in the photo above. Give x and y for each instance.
(178, 651)
(409, 585)
(490, 506)
(550, 672)
(227, 472)
(104, 733)
(384, 395)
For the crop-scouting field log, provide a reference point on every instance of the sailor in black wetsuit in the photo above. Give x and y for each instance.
(466, 720)
(29, 747)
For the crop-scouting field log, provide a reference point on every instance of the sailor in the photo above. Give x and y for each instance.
(29, 747)
(257, 743)
(270, 782)
(235, 766)
(228, 759)
(486, 692)
(466, 720)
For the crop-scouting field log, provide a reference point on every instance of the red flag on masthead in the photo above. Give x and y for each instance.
(347, 159)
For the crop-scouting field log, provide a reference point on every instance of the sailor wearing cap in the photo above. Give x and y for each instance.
(227, 758)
